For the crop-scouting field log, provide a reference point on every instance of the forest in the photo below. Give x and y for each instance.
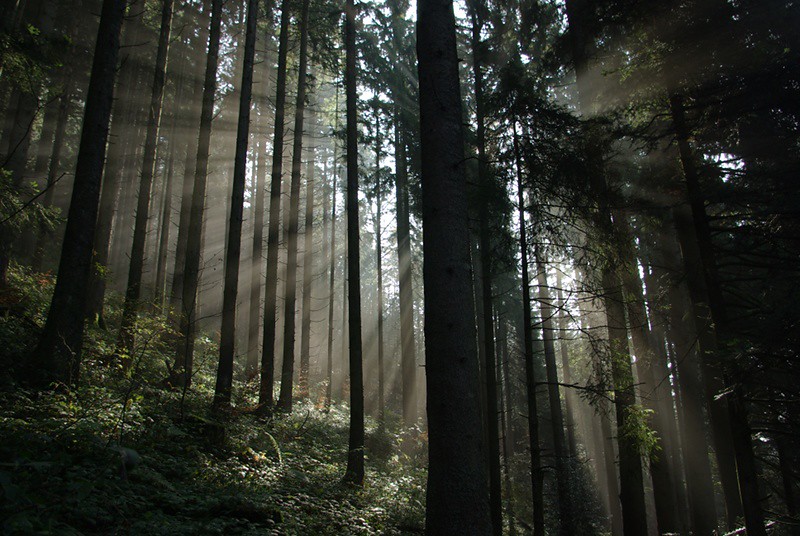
(386, 267)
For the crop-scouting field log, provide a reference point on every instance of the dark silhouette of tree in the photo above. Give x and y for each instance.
(457, 500)
(57, 357)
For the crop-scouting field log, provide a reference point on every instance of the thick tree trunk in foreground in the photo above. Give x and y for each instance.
(57, 356)
(133, 291)
(222, 389)
(355, 449)
(457, 501)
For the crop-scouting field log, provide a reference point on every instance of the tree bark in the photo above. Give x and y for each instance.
(308, 269)
(291, 223)
(379, 263)
(265, 393)
(133, 291)
(537, 476)
(554, 397)
(184, 364)
(332, 280)
(487, 318)
(57, 356)
(224, 383)
(194, 110)
(354, 473)
(457, 501)
(254, 320)
(408, 359)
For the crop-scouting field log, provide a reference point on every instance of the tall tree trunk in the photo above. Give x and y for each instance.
(265, 393)
(631, 476)
(634, 515)
(194, 111)
(256, 259)
(122, 145)
(610, 470)
(184, 363)
(332, 279)
(733, 403)
(654, 395)
(355, 449)
(505, 420)
(484, 181)
(222, 388)
(537, 476)
(254, 320)
(133, 291)
(685, 338)
(166, 220)
(57, 356)
(457, 501)
(566, 369)
(308, 268)
(408, 359)
(379, 265)
(554, 397)
(291, 222)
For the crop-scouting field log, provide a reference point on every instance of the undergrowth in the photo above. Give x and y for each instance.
(120, 454)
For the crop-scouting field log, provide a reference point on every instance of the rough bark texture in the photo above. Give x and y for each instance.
(355, 449)
(457, 502)
(57, 356)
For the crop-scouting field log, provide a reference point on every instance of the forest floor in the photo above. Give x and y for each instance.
(123, 455)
